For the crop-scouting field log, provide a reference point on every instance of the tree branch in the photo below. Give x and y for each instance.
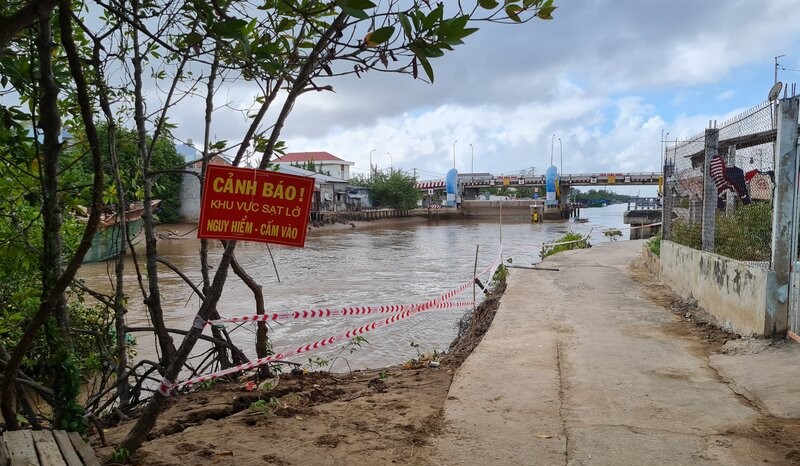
(34, 11)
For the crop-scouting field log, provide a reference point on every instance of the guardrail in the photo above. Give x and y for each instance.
(572, 179)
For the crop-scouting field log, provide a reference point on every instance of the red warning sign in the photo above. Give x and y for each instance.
(246, 204)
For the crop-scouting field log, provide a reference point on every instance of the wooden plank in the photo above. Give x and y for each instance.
(20, 448)
(4, 458)
(47, 448)
(84, 450)
(67, 450)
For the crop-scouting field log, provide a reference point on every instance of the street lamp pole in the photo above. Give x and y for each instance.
(454, 153)
(552, 143)
(561, 152)
(391, 163)
(370, 164)
(471, 159)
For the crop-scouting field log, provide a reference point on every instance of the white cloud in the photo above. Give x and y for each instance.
(726, 95)
(604, 76)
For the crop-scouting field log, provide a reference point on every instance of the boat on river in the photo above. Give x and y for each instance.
(107, 241)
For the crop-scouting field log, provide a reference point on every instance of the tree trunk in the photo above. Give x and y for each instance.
(153, 300)
(58, 336)
(262, 341)
(147, 420)
(51, 301)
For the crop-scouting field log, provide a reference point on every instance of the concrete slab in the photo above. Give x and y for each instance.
(580, 368)
(765, 374)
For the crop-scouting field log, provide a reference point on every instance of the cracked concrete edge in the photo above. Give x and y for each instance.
(754, 401)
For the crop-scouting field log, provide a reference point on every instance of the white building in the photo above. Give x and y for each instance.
(323, 162)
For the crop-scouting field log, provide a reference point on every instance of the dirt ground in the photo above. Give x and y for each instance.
(382, 416)
(385, 416)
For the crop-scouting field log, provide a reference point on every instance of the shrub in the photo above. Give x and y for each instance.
(687, 234)
(654, 244)
(746, 235)
(573, 240)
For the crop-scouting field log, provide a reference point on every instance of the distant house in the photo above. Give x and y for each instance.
(330, 193)
(323, 162)
(358, 197)
(190, 187)
(193, 156)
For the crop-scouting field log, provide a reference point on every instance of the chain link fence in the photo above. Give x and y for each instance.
(720, 187)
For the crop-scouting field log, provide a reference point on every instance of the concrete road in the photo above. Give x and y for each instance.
(580, 368)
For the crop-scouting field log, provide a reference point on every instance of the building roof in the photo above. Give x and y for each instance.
(317, 176)
(191, 154)
(293, 157)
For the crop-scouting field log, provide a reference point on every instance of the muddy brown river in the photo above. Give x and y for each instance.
(371, 265)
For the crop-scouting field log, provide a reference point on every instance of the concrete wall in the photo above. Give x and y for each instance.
(190, 197)
(651, 261)
(517, 208)
(730, 290)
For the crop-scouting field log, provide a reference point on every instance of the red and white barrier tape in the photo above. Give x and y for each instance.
(394, 318)
(441, 302)
(346, 311)
(318, 313)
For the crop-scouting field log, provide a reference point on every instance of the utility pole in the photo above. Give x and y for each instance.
(454, 153)
(776, 67)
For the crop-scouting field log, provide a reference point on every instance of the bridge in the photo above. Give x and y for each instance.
(487, 180)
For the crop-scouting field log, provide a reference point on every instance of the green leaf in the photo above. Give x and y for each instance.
(355, 8)
(426, 65)
(455, 37)
(546, 12)
(434, 17)
(513, 13)
(488, 4)
(193, 38)
(363, 4)
(381, 35)
(231, 28)
(285, 25)
(457, 23)
(405, 23)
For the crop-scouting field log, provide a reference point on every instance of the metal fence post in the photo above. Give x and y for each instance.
(666, 212)
(696, 207)
(709, 189)
(783, 214)
(668, 200)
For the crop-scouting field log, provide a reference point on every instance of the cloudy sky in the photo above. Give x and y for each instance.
(605, 77)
